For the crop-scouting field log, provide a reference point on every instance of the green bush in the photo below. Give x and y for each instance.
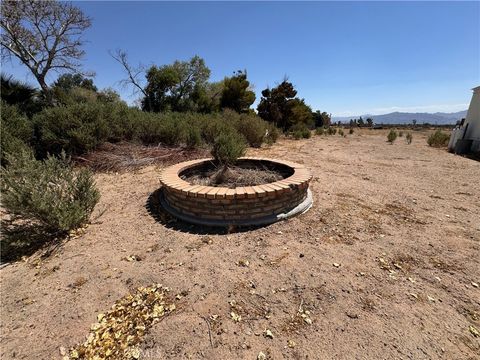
(193, 137)
(228, 147)
(16, 132)
(350, 131)
(165, 129)
(273, 133)
(253, 128)
(300, 131)
(320, 131)
(80, 128)
(48, 192)
(438, 139)
(331, 130)
(122, 121)
(392, 136)
(212, 125)
(340, 132)
(409, 138)
(74, 129)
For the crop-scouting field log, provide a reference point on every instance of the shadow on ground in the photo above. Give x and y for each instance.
(156, 210)
(26, 239)
(472, 156)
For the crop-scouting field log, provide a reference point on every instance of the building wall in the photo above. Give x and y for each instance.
(473, 117)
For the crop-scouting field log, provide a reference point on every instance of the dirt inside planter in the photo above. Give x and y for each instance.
(244, 173)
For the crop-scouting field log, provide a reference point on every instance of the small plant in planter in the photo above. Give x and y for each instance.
(227, 148)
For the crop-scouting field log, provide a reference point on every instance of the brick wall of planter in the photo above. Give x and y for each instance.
(241, 203)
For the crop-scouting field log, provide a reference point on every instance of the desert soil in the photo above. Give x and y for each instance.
(385, 265)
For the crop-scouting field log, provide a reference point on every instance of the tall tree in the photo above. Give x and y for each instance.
(322, 118)
(207, 97)
(300, 114)
(236, 94)
(281, 106)
(171, 87)
(274, 105)
(43, 36)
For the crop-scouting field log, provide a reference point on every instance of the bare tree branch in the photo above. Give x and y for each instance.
(133, 73)
(43, 35)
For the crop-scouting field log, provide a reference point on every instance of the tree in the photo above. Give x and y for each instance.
(361, 122)
(281, 107)
(300, 114)
(236, 93)
(274, 105)
(44, 36)
(321, 118)
(207, 97)
(369, 122)
(67, 82)
(171, 87)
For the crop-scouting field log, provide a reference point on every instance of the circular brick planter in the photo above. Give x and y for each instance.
(250, 205)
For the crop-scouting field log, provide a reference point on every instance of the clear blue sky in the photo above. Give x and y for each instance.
(347, 58)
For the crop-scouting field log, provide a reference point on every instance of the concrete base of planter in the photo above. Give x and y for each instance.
(301, 208)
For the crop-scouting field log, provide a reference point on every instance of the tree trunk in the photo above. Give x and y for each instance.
(45, 89)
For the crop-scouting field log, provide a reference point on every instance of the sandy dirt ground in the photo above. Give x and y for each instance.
(384, 265)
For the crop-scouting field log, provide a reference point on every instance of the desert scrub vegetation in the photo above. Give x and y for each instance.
(409, 138)
(438, 139)
(48, 192)
(16, 132)
(331, 130)
(392, 136)
(350, 131)
(80, 128)
(300, 131)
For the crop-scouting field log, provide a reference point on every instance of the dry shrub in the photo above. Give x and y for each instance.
(409, 138)
(438, 139)
(48, 192)
(392, 136)
(127, 156)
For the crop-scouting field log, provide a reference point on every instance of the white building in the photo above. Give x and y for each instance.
(466, 136)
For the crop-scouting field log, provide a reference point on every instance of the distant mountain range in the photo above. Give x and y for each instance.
(438, 118)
